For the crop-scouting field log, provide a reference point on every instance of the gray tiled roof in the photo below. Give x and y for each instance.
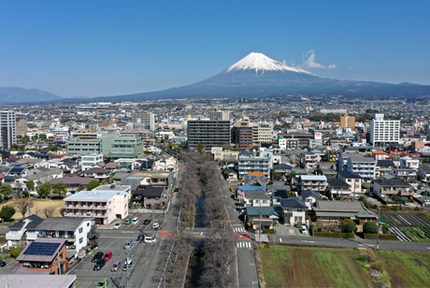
(61, 223)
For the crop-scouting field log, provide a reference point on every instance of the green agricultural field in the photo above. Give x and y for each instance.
(285, 266)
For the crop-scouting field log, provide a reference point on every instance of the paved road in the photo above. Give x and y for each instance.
(349, 243)
(245, 261)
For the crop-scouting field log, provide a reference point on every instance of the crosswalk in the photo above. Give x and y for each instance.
(239, 230)
(243, 244)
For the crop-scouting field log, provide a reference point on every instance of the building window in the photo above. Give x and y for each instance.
(80, 230)
(81, 240)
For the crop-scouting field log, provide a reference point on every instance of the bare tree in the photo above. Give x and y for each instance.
(48, 212)
(22, 205)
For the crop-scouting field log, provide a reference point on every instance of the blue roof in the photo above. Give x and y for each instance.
(243, 188)
(93, 195)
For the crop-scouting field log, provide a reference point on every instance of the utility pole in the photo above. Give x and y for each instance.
(379, 223)
(259, 228)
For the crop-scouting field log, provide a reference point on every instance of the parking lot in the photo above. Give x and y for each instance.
(113, 240)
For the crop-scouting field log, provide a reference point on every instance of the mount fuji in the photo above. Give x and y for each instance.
(257, 75)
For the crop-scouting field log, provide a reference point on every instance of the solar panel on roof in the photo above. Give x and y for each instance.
(41, 248)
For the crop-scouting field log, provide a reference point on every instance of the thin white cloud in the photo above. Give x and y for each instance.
(310, 63)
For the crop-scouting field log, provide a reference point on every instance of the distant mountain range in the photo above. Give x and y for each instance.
(16, 95)
(256, 75)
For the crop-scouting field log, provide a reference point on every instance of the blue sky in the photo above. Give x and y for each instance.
(103, 47)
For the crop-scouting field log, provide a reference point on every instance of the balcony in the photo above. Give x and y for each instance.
(14, 235)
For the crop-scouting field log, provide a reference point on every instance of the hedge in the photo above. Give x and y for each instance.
(269, 231)
(333, 235)
(381, 236)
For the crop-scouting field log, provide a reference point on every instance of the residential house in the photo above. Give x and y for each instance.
(353, 180)
(408, 162)
(294, 211)
(406, 174)
(386, 189)
(73, 182)
(97, 173)
(153, 178)
(44, 256)
(424, 173)
(149, 196)
(169, 164)
(91, 160)
(279, 195)
(256, 198)
(310, 197)
(261, 217)
(74, 230)
(240, 191)
(16, 237)
(335, 211)
(384, 167)
(42, 175)
(338, 189)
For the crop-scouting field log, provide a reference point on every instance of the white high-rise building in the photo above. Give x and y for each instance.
(7, 129)
(143, 120)
(218, 115)
(384, 131)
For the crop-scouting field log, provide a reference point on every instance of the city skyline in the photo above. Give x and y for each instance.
(104, 48)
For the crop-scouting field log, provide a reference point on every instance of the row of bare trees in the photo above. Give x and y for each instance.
(202, 179)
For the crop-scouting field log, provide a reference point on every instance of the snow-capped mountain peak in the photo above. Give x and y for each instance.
(260, 62)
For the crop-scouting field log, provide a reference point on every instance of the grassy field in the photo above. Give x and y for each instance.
(38, 207)
(285, 266)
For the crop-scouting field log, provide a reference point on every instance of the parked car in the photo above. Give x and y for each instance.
(117, 225)
(128, 262)
(155, 225)
(115, 266)
(140, 238)
(99, 265)
(135, 221)
(149, 239)
(146, 221)
(97, 256)
(108, 255)
(128, 244)
(127, 221)
(2, 263)
(103, 283)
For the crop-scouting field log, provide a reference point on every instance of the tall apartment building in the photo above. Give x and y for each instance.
(347, 121)
(143, 119)
(7, 129)
(208, 133)
(21, 127)
(241, 135)
(384, 131)
(219, 115)
(357, 163)
(262, 134)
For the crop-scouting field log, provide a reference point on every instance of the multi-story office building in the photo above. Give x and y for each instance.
(115, 146)
(347, 122)
(84, 144)
(249, 162)
(262, 134)
(218, 115)
(241, 136)
(143, 120)
(208, 133)
(7, 129)
(384, 131)
(302, 138)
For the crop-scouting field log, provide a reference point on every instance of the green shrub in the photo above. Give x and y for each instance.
(268, 231)
(347, 226)
(381, 236)
(14, 252)
(370, 228)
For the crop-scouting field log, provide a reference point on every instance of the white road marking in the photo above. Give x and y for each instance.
(307, 241)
